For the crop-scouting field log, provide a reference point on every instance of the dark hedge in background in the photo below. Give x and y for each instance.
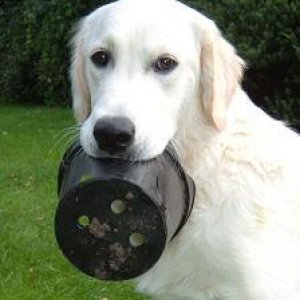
(34, 49)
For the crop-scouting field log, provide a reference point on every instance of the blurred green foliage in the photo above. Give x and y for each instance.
(34, 48)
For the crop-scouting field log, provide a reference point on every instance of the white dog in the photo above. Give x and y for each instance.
(149, 72)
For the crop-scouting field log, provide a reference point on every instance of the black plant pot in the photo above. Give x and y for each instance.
(115, 216)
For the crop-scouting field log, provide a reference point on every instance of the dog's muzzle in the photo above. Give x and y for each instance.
(115, 216)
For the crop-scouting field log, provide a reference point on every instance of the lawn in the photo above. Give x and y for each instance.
(32, 140)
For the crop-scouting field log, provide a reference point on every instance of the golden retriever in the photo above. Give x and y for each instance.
(149, 72)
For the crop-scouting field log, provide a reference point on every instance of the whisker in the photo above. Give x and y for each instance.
(64, 139)
(78, 152)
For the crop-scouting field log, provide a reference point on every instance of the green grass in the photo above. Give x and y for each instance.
(32, 141)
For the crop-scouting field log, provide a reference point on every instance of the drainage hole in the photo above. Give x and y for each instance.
(84, 221)
(118, 206)
(136, 239)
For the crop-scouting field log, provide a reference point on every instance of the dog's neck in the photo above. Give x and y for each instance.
(202, 146)
(199, 146)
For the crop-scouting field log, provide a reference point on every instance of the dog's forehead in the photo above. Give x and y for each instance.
(143, 9)
(140, 18)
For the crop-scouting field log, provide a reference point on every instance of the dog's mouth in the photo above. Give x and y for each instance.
(132, 154)
(128, 155)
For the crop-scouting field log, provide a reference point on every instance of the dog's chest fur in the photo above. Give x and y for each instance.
(236, 244)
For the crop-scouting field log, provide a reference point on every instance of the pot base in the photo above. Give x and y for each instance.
(110, 229)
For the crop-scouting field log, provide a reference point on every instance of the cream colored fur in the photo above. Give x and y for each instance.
(242, 241)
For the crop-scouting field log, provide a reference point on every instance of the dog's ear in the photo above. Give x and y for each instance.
(80, 90)
(220, 72)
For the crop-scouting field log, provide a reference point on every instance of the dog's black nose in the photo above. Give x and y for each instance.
(114, 134)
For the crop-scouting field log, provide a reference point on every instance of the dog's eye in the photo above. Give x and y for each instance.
(165, 64)
(101, 58)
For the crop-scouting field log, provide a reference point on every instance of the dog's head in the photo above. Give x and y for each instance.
(140, 67)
